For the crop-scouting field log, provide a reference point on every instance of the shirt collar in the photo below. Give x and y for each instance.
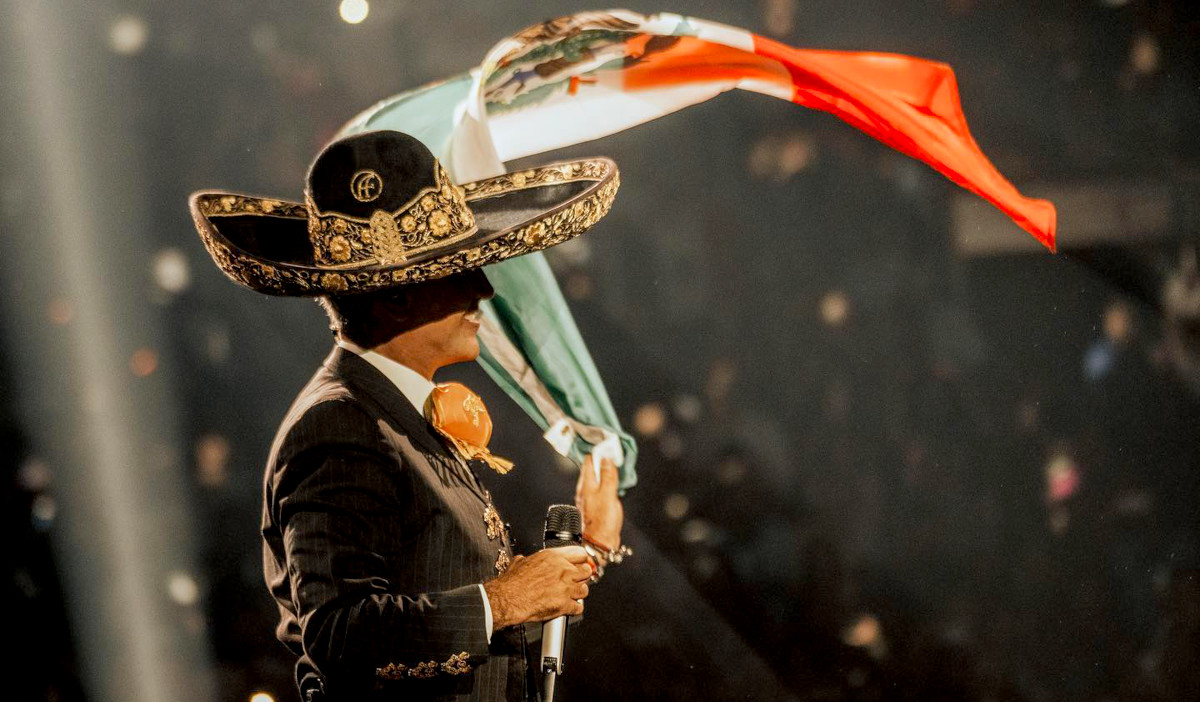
(410, 383)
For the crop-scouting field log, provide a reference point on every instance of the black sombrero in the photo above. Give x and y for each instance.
(379, 211)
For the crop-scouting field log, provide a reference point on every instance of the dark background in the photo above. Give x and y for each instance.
(875, 464)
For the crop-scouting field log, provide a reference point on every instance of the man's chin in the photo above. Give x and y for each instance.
(469, 352)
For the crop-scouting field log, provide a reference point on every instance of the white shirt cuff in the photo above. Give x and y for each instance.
(487, 612)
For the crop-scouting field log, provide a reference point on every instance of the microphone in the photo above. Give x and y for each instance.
(563, 527)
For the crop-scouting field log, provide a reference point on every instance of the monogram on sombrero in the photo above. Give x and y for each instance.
(379, 210)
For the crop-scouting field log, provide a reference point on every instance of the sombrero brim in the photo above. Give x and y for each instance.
(263, 243)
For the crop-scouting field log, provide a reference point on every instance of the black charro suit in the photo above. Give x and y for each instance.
(374, 548)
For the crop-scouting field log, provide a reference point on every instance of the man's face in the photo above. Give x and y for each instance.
(448, 317)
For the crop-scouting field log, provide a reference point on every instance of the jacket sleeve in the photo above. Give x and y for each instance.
(334, 497)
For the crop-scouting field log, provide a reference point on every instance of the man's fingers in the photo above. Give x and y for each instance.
(583, 572)
(574, 554)
(608, 475)
(580, 591)
(587, 474)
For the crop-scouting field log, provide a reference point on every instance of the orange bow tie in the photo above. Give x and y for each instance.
(459, 415)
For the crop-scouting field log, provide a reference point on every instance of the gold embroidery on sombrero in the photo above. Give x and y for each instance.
(553, 229)
(436, 215)
(385, 238)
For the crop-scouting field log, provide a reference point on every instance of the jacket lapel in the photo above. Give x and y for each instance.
(378, 389)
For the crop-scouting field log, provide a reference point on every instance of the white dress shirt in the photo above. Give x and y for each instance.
(416, 388)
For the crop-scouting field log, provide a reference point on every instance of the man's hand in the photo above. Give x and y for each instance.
(597, 501)
(539, 587)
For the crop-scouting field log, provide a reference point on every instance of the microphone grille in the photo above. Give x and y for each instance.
(562, 519)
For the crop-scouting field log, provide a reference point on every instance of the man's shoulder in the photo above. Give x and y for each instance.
(327, 412)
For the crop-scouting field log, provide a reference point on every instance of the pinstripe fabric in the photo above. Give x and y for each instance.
(373, 546)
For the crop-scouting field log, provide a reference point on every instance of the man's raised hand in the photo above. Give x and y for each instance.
(603, 515)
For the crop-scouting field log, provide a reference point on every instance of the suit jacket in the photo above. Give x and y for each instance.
(375, 543)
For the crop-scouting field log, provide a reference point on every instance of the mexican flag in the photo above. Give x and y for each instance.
(583, 77)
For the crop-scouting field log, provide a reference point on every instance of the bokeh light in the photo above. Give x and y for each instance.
(866, 632)
(835, 308)
(779, 157)
(1118, 323)
(35, 475)
(172, 272)
(687, 408)
(676, 505)
(183, 589)
(1063, 478)
(212, 460)
(128, 35)
(696, 531)
(1099, 359)
(650, 419)
(1144, 54)
(353, 11)
(671, 445)
(143, 362)
(863, 632)
(43, 512)
(722, 375)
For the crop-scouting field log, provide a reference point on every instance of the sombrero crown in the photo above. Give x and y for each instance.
(379, 210)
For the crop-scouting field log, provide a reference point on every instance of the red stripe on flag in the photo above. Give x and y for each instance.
(660, 61)
(911, 105)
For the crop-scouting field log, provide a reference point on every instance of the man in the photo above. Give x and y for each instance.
(393, 573)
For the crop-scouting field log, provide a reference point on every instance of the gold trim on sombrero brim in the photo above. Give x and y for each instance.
(557, 224)
(537, 177)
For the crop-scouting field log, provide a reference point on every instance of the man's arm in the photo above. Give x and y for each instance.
(353, 624)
